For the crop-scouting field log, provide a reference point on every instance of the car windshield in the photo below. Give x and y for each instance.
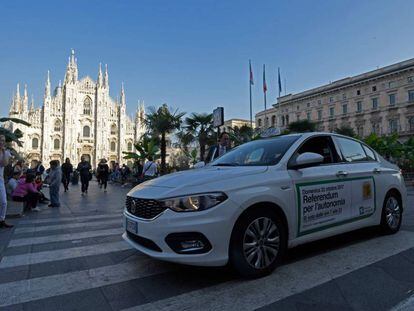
(257, 153)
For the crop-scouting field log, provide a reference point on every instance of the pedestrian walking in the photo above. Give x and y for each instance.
(150, 169)
(4, 161)
(103, 173)
(26, 192)
(67, 170)
(84, 169)
(55, 177)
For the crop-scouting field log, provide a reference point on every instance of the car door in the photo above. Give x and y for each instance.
(322, 195)
(361, 171)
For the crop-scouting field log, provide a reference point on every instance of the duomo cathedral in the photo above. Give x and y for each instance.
(79, 118)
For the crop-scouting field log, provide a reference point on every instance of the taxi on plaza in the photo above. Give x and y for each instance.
(248, 207)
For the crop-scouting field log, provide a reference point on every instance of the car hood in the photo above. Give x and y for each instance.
(193, 178)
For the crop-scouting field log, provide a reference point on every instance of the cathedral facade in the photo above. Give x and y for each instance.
(79, 118)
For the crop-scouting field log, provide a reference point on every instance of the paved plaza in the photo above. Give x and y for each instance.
(73, 258)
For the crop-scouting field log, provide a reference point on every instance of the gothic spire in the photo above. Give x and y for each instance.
(32, 107)
(18, 91)
(25, 102)
(71, 75)
(122, 99)
(106, 77)
(100, 78)
(47, 85)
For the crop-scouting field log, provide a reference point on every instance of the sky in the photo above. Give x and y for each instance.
(193, 55)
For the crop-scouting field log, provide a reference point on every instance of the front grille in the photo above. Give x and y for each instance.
(147, 243)
(144, 208)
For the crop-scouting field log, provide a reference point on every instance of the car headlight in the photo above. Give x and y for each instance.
(195, 202)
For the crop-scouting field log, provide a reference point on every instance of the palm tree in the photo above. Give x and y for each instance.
(12, 136)
(184, 139)
(241, 135)
(201, 126)
(146, 147)
(161, 122)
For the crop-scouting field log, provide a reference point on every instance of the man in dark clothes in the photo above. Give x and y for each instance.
(84, 169)
(103, 173)
(67, 169)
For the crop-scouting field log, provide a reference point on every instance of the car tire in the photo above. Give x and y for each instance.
(255, 254)
(391, 217)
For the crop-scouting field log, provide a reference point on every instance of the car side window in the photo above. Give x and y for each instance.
(370, 154)
(322, 145)
(352, 150)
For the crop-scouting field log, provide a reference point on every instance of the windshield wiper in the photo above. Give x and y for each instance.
(225, 164)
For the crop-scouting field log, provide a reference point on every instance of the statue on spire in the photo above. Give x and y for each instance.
(122, 98)
(106, 77)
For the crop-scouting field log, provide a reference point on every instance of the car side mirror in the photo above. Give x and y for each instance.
(199, 164)
(306, 159)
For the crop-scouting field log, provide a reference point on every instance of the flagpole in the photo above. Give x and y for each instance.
(250, 93)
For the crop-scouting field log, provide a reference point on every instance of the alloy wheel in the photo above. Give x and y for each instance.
(392, 213)
(261, 242)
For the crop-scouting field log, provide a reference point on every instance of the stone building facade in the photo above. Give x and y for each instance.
(380, 101)
(232, 123)
(79, 118)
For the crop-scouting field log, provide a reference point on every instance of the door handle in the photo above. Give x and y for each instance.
(342, 174)
(376, 170)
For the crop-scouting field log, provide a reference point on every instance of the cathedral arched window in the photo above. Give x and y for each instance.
(113, 146)
(86, 131)
(113, 129)
(35, 143)
(129, 146)
(56, 144)
(87, 106)
(58, 126)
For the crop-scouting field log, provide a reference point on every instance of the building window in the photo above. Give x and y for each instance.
(375, 103)
(331, 99)
(374, 88)
(411, 96)
(35, 143)
(113, 129)
(56, 144)
(283, 120)
(359, 106)
(259, 122)
(392, 99)
(58, 126)
(308, 116)
(410, 79)
(319, 114)
(332, 112)
(297, 117)
(129, 147)
(308, 105)
(358, 92)
(86, 131)
(345, 109)
(273, 120)
(375, 128)
(360, 131)
(393, 125)
(411, 124)
(287, 120)
(297, 107)
(87, 106)
(113, 146)
(319, 102)
(343, 96)
(392, 84)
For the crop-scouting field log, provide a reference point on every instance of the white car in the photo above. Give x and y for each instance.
(250, 205)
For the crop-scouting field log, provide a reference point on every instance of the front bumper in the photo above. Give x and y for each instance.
(216, 224)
